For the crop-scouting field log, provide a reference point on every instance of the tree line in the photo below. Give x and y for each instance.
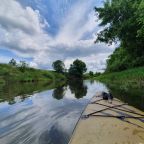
(22, 65)
(123, 22)
(77, 68)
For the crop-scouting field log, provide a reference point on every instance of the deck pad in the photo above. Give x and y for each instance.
(106, 127)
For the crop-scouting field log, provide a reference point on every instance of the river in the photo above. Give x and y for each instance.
(37, 114)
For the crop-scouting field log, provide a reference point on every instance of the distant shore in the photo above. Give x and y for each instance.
(132, 78)
(10, 73)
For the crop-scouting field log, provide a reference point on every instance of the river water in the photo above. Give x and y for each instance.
(37, 114)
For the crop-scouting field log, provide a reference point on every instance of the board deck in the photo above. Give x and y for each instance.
(106, 127)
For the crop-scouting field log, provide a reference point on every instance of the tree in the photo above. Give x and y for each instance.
(119, 60)
(97, 74)
(91, 74)
(124, 22)
(23, 66)
(140, 19)
(12, 62)
(78, 68)
(58, 66)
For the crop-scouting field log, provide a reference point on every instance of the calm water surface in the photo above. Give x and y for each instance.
(34, 114)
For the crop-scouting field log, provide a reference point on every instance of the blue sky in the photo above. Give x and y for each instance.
(42, 31)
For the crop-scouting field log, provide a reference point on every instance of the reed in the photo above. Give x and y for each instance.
(132, 78)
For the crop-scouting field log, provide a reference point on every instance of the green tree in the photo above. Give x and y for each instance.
(78, 68)
(119, 60)
(12, 62)
(23, 66)
(140, 19)
(91, 74)
(58, 66)
(124, 22)
(97, 74)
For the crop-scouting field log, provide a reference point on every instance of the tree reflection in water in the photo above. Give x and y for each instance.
(92, 81)
(59, 92)
(14, 92)
(78, 88)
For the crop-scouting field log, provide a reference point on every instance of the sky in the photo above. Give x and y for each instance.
(42, 31)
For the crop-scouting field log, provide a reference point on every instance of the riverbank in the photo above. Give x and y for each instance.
(10, 73)
(132, 78)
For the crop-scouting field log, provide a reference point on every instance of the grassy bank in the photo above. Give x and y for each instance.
(132, 78)
(10, 73)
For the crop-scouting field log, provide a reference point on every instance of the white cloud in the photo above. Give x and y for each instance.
(12, 15)
(21, 28)
(33, 65)
(80, 19)
(23, 31)
(95, 62)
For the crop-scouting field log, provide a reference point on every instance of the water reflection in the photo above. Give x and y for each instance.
(59, 92)
(17, 92)
(39, 114)
(134, 97)
(78, 88)
(92, 81)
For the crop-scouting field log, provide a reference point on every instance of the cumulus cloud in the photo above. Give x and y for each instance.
(23, 30)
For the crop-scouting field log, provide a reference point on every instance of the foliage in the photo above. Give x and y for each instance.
(97, 74)
(77, 69)
(140, 19)
(12, 62)
(119, 60)
(59, 66)
(9, 92)
(13, 74)
(124, 22)
(132, 78)
(2, 82)
(91, 74)
(23, 66)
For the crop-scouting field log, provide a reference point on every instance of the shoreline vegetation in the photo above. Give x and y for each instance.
(18, 79)
(125, 66)
(9, 92)
(9, 74)
(14, 72)
(131, 78)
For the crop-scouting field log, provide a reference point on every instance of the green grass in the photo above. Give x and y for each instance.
(2, 82)
(132, 78)
(13, 74)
